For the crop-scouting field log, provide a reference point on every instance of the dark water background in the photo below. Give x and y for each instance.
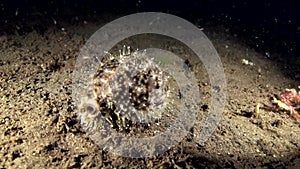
(269, 26)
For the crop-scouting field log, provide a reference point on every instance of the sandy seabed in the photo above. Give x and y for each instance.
(39, 127)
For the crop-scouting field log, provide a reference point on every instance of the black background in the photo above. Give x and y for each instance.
(266, 25)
